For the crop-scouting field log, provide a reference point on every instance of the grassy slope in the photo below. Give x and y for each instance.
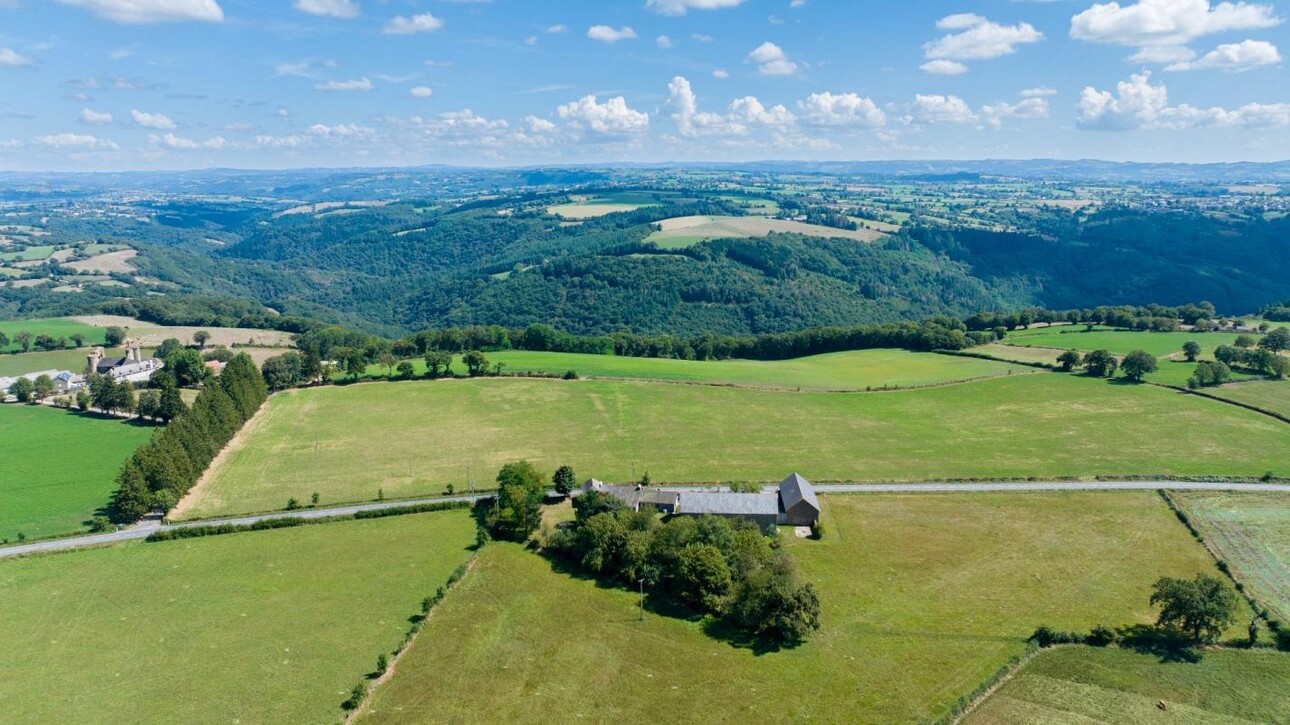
(1252, 532)
(413, 438)
(263, 627)
(55, 328)
(1085, 684)
(32, 362)
(58, 467)
(836, 371)
(923, 597)
(1269, 395)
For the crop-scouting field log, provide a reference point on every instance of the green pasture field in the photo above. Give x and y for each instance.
(414, 438)
(855, 370)
(264, 627)
(1252, 533)
(55, 328)
(1273, 395)
(1160, 344)
(1095, 685)
(11, 272)
(30, 254)
(923, 597)
(32, 362)
(58, 467)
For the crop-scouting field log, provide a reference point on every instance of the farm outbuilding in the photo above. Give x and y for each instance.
(793, 503)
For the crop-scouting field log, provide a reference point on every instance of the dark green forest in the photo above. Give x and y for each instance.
(414, 265)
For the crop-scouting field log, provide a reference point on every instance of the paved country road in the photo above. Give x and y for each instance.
(146, 528)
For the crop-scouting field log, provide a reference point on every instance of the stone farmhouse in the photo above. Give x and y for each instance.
(793, 503)
(132, 368)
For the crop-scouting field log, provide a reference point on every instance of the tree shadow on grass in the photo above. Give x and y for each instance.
(661, 605)
(1165, 646)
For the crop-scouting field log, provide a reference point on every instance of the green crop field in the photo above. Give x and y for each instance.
(1269, 395)
(407, 439)
(30, 254)
(55, 328)
(58, 467)
(1252, 533)
(266, 627)
(923, 597)
(1159, 344)
(1017, 353)
(1088, 685)
(855, 370)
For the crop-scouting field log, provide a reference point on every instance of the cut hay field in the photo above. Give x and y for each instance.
(1160, 344)
(409, 439)
(58, 467)
(1267, 394)
(923, 597)
(265, 627)
(601, 205)
(683, 232)
(1092, 685)
(107, 263)
(1017, 353)
(854, 370)
(1252, 533)
(150, 335)
(55, 328)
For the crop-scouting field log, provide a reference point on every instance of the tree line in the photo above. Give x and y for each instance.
(161, 471)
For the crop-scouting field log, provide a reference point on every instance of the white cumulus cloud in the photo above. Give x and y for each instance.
(841, 109)
(329, 8)
(13, 59)
(942, 109)
(611, 118)
(771, 60)
(977, 38)
(179, 143)
(421, 92)
(421, 23)
(76, 142)
(681, 7)
(158, 121)
(944, 67)
(607, 34)
(1167, 22)
(95, 118)
(152, 11)
(1233, 57)
(1138, 104)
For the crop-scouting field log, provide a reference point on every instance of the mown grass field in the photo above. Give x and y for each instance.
(409, 439)
(31, 362)
(266, 627)
(1018, 353)
(58, 467)
(923, 597)
(55, 328)
(1087, 685)
(1252, 533)
(1160, 344)
(855, 370)
(1269, 395)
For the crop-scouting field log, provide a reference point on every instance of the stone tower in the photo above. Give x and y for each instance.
(92, 360)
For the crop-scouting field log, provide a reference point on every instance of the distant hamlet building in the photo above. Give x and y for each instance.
(793, 504)
(131, 368)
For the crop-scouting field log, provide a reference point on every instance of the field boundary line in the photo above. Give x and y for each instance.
(1237, 403)
(407, 644)
(237, 443)
(1000, 678)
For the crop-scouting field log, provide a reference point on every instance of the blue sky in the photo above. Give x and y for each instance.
(127, 84)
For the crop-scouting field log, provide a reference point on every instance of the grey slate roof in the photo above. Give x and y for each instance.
(729, 504)
(794, 490)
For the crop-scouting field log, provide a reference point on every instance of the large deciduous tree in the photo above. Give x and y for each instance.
(516, 511)
(1199, 608)
(1138, 364)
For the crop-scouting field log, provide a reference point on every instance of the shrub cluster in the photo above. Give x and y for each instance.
(163, 469)
(716, 566)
